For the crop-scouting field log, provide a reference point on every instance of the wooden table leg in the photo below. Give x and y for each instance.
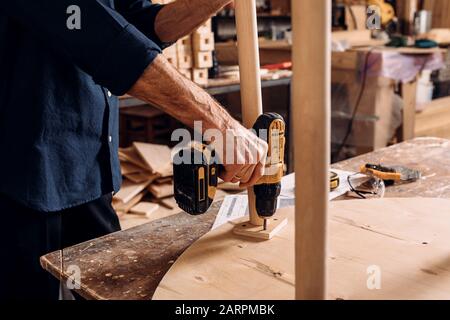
(409, 94)
(311, 99)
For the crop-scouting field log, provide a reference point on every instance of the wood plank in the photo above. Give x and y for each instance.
(407, 239)
(129, 190)
(129, 168)
(156, 157)
(160, 191)
(145, 209)
(140, 177)
(122, 207)
(164, 180)
(434, 120)
(130, 155)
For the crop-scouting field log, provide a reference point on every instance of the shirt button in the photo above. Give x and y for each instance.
(110, 139)
(109, 94)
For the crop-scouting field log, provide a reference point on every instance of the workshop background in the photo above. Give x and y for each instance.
(388, 85)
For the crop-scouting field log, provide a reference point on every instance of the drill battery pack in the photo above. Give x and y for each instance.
(195, 178)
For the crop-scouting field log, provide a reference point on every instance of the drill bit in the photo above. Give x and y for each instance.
(265, 224)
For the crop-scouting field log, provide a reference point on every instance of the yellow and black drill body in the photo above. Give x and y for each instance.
(268, 188)
(196, 171)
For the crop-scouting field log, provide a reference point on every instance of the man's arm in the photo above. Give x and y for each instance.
(165, 24)
(120, 57)
(162, 85)
(178, 19)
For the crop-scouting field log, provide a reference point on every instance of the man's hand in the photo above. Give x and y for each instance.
(230, 5)
(243, 155)
(163, 86)
(179, 18)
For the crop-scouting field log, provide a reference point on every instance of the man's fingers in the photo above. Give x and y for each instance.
(228, 175)
(239, 174)
(257, 174)
(245, 174)
(249, 158)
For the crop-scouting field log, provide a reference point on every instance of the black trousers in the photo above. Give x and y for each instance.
(26, 235)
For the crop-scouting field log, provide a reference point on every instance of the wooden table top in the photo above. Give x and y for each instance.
(130, 264)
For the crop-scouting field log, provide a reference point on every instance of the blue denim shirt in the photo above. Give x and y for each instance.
(58, 88)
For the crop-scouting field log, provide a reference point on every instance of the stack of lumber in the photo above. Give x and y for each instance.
(147, 173)
(193, 54)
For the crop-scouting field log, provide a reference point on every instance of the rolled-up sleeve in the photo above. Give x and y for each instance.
(142, 14)
(106, 46)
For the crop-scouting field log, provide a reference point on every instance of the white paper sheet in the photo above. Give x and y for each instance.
(236, 206)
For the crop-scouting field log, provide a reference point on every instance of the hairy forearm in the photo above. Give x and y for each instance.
(180, 18)
(163, 86)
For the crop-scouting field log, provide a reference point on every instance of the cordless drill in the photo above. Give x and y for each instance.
(196, 171)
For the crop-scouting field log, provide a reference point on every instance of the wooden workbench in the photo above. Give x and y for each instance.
(131, 263)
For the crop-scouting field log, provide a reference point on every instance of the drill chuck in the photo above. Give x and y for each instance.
(267, 199)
